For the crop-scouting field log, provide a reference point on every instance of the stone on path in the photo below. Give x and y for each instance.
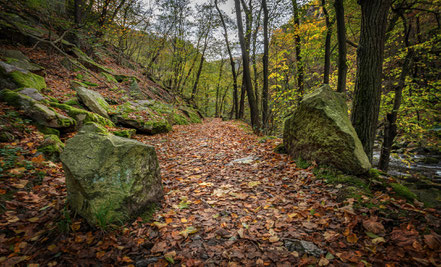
(110, 179)
(320, 130)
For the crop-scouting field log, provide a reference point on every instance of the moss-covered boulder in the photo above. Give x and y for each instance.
(18, 59)
(21, 77)
(83, 116)
(92, 100)
(38, 112)
(110, 179)
(32, 93)
(143, 126)
(51, 147)
(320, 130)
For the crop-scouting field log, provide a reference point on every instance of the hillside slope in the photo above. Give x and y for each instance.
(71, 87)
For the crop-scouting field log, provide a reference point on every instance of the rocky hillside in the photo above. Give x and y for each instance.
(59, 86)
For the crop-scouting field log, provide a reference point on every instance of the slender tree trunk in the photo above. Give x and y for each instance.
(198, 75)
(78, 11)
(233, 67)
(265, 97)
(299, 61)
(246, 70)
(342, 50)
(242, 101)
(218, 88)
(327, 67)
(390, 129)
(370, 52)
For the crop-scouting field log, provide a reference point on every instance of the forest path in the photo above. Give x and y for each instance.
(248, 213)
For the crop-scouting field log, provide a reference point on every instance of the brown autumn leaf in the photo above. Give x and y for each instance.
(433, 241)
(371, 225)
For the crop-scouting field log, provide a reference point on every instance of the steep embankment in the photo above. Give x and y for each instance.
(59, 87)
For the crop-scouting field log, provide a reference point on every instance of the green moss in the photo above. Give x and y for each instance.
(191, 114)
(13, 98)
(302, 164)
(403, 191)
(374, 173)
(47, 130)
(51, 147)
(88, 116)
(28, 80)
(157, 126)
(179, 119)
(95, 128)
(72, 102)
(127, 133)
(109, 77)
(90, 83)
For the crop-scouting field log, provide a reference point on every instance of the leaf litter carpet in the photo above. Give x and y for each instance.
(229, 201)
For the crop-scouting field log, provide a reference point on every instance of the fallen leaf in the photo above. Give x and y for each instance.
(373, 226)
(323, 262)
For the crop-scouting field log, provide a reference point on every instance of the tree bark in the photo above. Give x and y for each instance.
(370, 52)
(265, 111)
(327, 67)
(246, 70)
(299, 61)
(342, 50)
(233, 69)
(390, 129)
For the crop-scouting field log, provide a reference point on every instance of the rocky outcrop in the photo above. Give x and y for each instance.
(92, 100)
(110, 179)
(142, 126)
(320, 130)
(20, 77)
(37, 111)
(18, 59)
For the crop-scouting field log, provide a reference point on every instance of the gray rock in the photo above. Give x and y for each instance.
(92, 100)
(37, 111)
(247, 160)
(320, 130)
(303, 247)
(18, 59)
(32, 93)
(110, 179)
(21, 77)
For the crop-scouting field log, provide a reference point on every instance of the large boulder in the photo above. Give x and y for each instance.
(37, 111)
(138, 116)
(320, 130)
(110, 179)
(92, 100)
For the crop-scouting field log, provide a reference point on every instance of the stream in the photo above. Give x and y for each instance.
(425, 164)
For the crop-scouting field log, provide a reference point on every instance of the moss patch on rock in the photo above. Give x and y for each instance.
(51, 147)
(127, 133)
(28, 80)
(83, 116)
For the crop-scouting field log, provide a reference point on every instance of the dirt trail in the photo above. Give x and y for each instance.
(246, 213)
(260, 211)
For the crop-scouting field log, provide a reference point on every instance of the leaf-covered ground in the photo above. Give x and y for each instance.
(215, 211)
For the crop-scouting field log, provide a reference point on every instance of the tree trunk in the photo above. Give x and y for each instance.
(265, 67)
(390, 129)
(218, 88)
(299, 61)
(233, 69)
(367, 96)
(78, 11)
(341, 37)
(327, 67)
(242, 101)
(246, 70)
